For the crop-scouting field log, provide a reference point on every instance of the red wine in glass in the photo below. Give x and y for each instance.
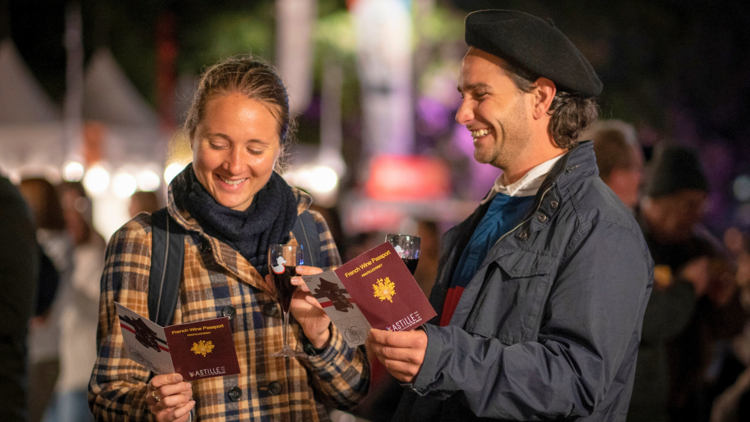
(284, 288)
(411, 264)
(407, 247)
(282, 262)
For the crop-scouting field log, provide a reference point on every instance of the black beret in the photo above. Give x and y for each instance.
(535, 45)
(674, 169)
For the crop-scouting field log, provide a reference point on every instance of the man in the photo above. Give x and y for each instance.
(540, 293)
(19, 266)
(673, 353)
(619, 158)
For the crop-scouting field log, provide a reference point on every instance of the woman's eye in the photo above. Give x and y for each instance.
(255, 151)
(216, 146)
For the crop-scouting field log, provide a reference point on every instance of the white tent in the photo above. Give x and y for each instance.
(132, 134)
(132, 141)
(31, 132)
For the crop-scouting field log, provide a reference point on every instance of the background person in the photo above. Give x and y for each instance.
(19, 267)
(79, 310)
(619, 158)
(541, 292)
(143, 202)
(44, 331)
(675, 343)
(234, 206)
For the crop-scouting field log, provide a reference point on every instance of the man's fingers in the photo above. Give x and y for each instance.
(401, 371)
(396, 353)
(408, 339)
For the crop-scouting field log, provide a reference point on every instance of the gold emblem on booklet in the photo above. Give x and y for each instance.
(384, 289)
(202, 347)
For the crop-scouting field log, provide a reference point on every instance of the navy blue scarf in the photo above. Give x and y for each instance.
(267, 221)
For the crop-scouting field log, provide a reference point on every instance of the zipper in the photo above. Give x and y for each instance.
(528, 219)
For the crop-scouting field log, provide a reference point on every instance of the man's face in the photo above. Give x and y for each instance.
(677, 215)
(495, 111)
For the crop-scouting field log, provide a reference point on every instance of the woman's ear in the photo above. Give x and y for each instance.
(544, 91)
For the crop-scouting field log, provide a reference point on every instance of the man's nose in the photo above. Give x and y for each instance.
(465, 113)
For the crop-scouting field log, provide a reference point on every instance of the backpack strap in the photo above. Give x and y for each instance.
(167, 255)
(305, 230)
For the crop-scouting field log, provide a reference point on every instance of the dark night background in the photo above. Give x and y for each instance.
(678, 70)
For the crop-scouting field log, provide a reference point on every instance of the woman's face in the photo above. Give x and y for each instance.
(235, 148)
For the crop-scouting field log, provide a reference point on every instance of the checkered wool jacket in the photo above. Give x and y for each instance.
(217, 281)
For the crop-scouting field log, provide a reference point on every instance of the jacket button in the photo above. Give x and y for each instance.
(235, 394)
(542, 218)
(554, 204)
(523, 235)
(274, 388)
(270, 309)
(229, 312)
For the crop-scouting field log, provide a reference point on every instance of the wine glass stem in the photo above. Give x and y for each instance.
(285, 343)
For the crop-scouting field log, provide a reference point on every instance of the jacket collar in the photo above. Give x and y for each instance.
(577, 163)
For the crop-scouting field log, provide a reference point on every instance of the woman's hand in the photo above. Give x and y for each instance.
(170, 399)
(308, 312)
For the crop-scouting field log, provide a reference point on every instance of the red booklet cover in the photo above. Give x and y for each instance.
(201, 349)
(376, 285)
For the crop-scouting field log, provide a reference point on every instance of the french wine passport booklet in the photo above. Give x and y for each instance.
(196, 350)
(373, 290)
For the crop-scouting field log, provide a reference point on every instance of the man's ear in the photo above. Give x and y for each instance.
(544, 91)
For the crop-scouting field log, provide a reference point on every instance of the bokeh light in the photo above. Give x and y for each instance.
(171, 171)
(96, 180)
(148, 181)
(72, 171)
(124, 185)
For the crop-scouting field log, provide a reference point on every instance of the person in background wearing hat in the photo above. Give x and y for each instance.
(541, 292)
(689, 264)
(619, 158)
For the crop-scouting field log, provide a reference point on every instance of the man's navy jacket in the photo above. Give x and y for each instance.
(548, 328)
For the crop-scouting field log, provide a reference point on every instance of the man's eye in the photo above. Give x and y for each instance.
(255, 151)
(216, 146)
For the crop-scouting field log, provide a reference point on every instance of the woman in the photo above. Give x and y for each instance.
(79, 309)
(234, 206)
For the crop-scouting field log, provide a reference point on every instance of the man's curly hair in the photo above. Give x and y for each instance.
(571, 112)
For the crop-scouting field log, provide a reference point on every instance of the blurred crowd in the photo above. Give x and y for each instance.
(58, 273)
(694, 356)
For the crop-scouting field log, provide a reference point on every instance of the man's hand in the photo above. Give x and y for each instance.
(170, 399)
(401, 352)
(697, 273)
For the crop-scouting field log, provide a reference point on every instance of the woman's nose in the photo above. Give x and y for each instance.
(234, 161)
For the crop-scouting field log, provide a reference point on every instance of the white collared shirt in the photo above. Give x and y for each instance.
(528, 185)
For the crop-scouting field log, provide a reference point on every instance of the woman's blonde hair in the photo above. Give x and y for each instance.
(251, 77)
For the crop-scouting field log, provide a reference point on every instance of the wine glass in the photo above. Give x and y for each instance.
(282, 264)
(407, 247)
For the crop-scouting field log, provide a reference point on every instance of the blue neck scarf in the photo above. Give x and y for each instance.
(267, 221)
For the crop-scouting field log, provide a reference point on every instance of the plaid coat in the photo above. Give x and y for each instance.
(216, 277)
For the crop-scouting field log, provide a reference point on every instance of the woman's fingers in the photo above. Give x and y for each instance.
(169, 398)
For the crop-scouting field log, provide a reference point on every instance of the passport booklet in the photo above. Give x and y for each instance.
(196, 350)
(373, 290)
